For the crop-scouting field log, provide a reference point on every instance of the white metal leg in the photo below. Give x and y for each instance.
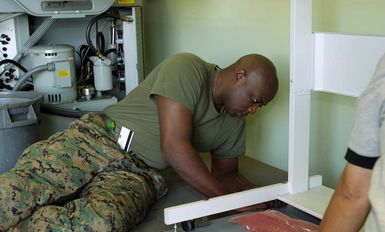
(301, 72)
(224, 203)
(313, 201)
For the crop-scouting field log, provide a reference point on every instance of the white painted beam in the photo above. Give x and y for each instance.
(301, 71)
(224, 203)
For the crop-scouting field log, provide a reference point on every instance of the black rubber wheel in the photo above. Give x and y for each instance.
(188, 225)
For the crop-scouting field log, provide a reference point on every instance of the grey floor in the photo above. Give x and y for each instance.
(180, 193)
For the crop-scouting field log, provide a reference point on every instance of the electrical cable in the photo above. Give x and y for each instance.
(46, 67)
(6, 61)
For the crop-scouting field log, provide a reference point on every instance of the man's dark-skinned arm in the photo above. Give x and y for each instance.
(227, 172)
(175, 122)
(175, 136)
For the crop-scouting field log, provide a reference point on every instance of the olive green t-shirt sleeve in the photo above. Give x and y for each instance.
(180, 79)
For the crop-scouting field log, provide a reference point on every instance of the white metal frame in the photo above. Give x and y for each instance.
(308, 52)
(130, 46)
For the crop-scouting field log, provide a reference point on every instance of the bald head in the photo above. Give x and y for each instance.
(256, 63)
(257, 66)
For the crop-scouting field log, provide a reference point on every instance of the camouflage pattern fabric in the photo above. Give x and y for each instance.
(78, 180)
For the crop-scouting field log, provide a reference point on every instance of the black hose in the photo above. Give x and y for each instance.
(6, 61)
(100, 42)
(111, 50)
(88, 32)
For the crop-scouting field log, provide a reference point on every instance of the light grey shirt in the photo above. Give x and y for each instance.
(364, 138)
(368, 140)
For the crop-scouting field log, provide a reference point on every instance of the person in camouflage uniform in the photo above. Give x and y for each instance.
(112, 190)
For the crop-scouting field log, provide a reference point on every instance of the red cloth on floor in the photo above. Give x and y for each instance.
(273, 221)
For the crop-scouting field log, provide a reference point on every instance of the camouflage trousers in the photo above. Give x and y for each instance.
(78, 180)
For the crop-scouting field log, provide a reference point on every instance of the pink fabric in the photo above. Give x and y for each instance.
(273, 221)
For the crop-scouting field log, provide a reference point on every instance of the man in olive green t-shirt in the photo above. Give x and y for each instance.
(101, 173)
(186, 106)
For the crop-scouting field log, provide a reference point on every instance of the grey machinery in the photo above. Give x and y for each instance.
(81, 55)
